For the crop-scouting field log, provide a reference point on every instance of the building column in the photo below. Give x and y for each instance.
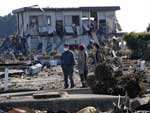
(18, 25)
(89, 15)
(6, 79)
(81, 28)
(97, 20)
(29, 43)
(44, 44)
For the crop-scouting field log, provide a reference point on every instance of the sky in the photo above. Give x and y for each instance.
(133, 16)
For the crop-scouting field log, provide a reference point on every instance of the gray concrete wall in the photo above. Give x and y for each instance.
(46, 41)
(72, 103)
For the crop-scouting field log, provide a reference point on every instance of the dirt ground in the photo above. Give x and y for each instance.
(47, 79)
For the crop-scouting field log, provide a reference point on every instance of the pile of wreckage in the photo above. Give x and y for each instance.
(122, 76)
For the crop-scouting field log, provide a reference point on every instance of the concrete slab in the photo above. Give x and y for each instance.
(70, 91)
(72, 102)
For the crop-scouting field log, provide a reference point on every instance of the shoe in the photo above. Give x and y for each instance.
(65, 87)
(72, 86)
(83, 86)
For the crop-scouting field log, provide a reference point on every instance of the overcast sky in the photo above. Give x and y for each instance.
(133, 16)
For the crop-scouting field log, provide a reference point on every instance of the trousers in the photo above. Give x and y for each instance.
(68, 75)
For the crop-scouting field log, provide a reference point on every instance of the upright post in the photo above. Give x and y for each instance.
(6, 79)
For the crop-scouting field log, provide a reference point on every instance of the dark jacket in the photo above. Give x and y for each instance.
(99, 56)
(67, 59)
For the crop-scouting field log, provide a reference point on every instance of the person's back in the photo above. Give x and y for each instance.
(67, 58)
(99, 58)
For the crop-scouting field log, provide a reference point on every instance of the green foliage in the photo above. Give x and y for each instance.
(8, 25)
(45, 54)
(54, 53)
(137, 42)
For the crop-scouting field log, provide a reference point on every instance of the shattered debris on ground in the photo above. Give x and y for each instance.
(114, 76)
(47, 79)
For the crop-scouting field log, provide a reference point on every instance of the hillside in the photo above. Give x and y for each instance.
(8, 25)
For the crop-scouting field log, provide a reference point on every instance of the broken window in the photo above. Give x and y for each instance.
(71, 23)
(48, 20)
(59, 27)
(76, 20)
(69, 30)
(68, 20)
(94, 15)
(42, 21)
(33, 21)
(102, 26)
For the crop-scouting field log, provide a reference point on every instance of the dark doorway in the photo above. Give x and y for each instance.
(76, 20)
(33, 21)
(59, 27)
(94, 15)
(102, 26)
(39, 47)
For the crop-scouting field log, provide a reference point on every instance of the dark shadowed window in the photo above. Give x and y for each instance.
(102, 26)
(76, 20)
(33, 20)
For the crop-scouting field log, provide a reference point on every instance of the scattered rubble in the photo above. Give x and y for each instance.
(114, 76)
(47, 79)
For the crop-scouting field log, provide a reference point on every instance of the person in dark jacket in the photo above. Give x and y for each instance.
(67, 64)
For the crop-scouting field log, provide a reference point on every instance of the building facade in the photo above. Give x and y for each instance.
(49, 28)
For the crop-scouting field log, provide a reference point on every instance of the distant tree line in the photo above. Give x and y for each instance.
(8, 25)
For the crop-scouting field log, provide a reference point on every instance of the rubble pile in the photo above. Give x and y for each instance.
(110, 76)
(13, 44)
(146, 54)
(103, 77)
(122, 76)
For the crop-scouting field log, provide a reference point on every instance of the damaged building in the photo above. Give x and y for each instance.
(47, 29)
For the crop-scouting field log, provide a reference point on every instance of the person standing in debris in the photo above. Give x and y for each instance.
(90, 48)
(67, 64)
(82, 65)
(98, 54)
